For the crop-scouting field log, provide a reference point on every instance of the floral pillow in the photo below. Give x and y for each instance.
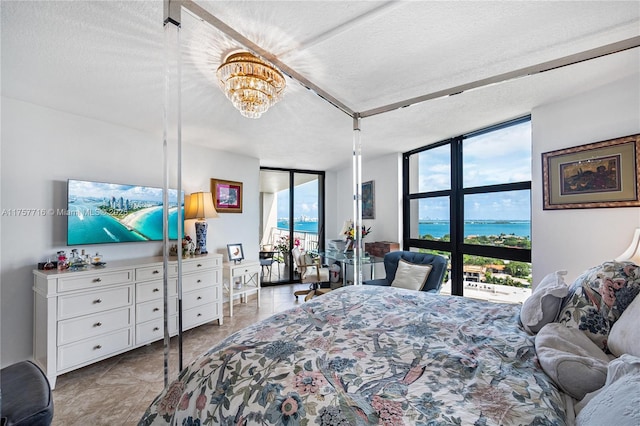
(598, 297)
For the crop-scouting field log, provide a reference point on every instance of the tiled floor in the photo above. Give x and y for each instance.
(118, 390)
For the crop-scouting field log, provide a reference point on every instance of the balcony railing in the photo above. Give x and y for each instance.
(308, 240)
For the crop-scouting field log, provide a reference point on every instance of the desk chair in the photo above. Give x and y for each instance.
(267, 260)
(306, 267)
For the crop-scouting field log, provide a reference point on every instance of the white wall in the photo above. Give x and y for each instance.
(41, 149)
(578, 239)
(386, 172)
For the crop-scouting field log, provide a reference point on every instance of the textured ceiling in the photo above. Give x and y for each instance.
(104, 60)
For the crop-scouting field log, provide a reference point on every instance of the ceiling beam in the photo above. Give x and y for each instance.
(573, 59)
(587, 55)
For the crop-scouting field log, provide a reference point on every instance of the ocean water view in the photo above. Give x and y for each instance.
(439, 228)
(299, 226)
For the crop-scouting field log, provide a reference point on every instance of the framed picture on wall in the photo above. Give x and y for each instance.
(368, 200)
(227, 195)
(600, 174)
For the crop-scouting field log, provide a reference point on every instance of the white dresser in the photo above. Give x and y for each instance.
(81, 317)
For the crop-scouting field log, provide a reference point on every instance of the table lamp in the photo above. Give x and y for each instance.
(199, 205)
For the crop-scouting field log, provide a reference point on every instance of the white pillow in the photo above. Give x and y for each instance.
(544, 303)
(576, 364)
(624, 337)
(411, 275)
(618, 401)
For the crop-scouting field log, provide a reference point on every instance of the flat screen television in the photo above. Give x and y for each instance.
(100, 212)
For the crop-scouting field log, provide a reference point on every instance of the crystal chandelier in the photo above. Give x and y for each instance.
(250, 83)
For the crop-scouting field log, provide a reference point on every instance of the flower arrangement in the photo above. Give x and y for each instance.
(283, 244)
(350, 233)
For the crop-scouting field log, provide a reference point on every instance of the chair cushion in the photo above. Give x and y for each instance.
(26, 395)
(438, 263)
(410, 275)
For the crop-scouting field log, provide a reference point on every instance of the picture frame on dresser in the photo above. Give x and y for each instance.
(236, 254)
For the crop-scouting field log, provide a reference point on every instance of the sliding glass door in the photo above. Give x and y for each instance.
(292, 217)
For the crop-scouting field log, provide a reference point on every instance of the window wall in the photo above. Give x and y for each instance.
(292, 215)
(468, 198)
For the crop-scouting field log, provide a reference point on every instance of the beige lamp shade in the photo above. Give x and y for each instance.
(199, 205)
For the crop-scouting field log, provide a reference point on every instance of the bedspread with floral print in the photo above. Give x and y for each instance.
(367, 355)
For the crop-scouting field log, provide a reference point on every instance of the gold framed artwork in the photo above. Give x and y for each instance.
(600, 174)
(227, 196)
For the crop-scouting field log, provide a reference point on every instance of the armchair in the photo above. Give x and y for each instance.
(434, 280)
(311, 271)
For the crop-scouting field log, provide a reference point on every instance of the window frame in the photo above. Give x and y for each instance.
(456, 246)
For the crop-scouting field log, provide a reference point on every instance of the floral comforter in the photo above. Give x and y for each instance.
(367, 355)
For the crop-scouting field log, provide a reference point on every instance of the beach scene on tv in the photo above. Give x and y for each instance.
(100, 212)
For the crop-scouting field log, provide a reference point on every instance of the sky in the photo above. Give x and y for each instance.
(498, 157)
(306, 201)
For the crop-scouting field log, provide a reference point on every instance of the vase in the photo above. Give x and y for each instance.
(348, 247)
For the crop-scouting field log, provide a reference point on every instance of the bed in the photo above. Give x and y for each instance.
(364, 355)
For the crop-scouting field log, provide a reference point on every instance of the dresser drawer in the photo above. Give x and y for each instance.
(149, 273)
(92, 349)
(153, 290)
(200, 264)
(75, 329)
(85, 281)
(96, 301)
(196, 281)
(151, 331)
(155, 309)
(203, 296)
(240, 271)
(199, 315)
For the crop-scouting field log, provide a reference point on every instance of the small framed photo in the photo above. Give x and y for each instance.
(235, 252)
(600, 174)
(227, 196)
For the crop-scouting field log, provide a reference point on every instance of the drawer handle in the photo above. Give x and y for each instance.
(199, 315)
(155, 329)
(156, 290)
(199, 281)
(96, 347)
(199, 265)
(98, 324)
(199, 298)
(156, 272)
(97, 280)
(156, 309)
(97, 301)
